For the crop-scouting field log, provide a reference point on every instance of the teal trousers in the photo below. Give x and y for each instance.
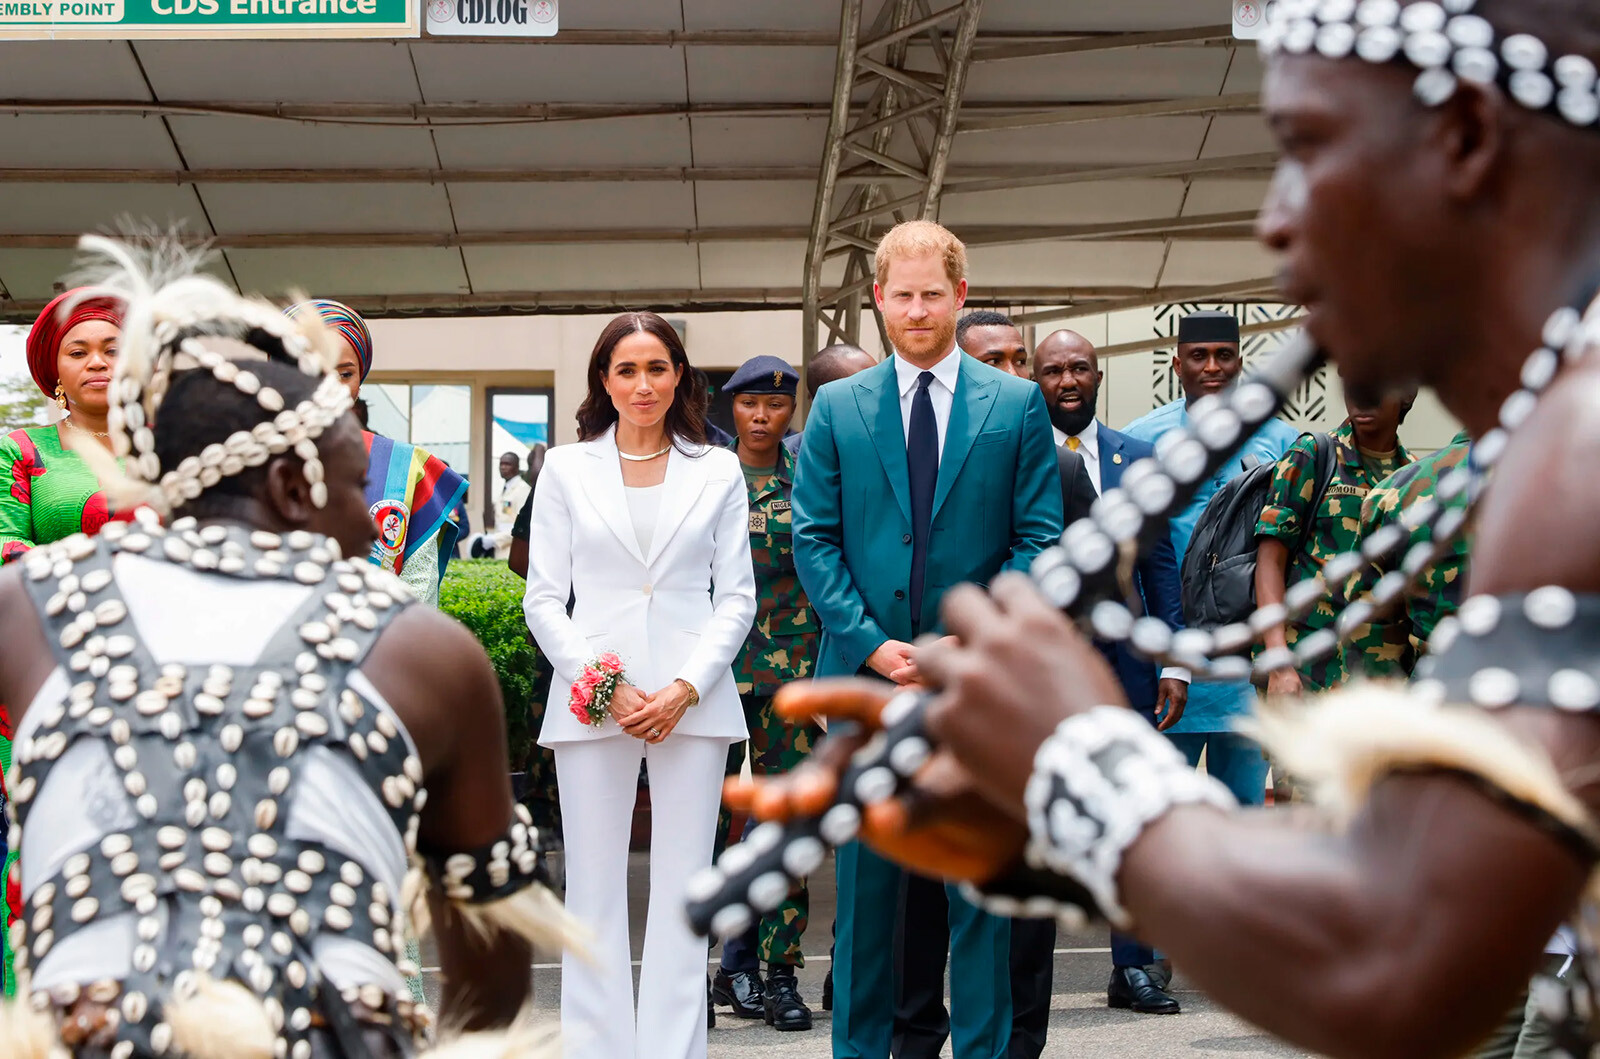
(863, 965)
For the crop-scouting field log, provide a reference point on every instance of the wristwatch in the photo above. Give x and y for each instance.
(694, 696)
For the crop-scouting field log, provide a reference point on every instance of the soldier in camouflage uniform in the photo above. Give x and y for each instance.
(1390, 645)
(1366, 450)
(781, 647)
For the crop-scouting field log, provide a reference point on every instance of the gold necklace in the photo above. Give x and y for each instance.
(81, 430)
(643, 459)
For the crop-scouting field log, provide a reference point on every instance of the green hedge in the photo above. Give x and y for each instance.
(486, 597)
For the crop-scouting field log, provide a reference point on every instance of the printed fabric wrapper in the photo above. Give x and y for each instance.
(597, 682)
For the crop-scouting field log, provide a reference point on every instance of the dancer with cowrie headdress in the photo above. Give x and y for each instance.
(232, 810)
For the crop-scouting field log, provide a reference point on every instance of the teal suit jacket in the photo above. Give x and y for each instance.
(996, 505)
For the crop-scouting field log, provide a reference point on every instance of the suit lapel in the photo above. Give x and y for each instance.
(1110, 468)
(607, 495)
(878, 399)
(681, 488)
(974, 400)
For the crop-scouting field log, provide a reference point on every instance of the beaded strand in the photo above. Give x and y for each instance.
(1214, 654)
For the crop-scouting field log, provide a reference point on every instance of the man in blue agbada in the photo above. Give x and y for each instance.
(1208, 361)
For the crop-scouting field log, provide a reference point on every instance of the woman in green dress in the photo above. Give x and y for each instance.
(47, 491)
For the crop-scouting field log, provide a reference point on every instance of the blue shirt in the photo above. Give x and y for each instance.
(1211, 705)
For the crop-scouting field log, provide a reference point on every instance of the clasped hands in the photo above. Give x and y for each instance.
(650, 717)
(1012, 668)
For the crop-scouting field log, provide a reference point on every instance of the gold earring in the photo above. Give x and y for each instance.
(61, 397)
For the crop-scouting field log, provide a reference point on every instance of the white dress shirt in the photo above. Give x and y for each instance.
(1089, 449)
(942, 391)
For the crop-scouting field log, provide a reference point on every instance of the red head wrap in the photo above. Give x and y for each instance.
(44, 341)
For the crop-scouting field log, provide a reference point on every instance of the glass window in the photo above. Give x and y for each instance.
(519, 419)
(437, 418)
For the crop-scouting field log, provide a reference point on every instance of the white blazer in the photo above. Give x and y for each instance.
(683, 610)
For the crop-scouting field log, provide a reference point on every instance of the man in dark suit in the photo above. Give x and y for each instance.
(832, 363)
(1068, 373)
(893, 465)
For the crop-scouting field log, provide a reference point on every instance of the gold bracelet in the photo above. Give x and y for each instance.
(694, 696)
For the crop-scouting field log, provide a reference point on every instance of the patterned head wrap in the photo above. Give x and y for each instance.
(347, 322)
(59, 317)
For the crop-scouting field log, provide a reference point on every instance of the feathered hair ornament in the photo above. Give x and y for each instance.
(176, 318)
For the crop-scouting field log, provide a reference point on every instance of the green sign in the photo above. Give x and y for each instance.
(206, 19)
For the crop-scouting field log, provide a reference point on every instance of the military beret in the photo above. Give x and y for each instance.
(764, 375)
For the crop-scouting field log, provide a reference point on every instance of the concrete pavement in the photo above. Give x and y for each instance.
(1080, 1026)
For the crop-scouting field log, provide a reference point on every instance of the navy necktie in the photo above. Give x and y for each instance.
(922, 461)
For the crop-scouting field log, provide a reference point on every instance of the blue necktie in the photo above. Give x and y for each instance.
(922, 461)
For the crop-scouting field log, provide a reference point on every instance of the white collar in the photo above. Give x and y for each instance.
(946, 371)
(1089, 439)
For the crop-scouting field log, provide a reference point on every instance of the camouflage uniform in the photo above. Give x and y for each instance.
(1391, 645)
(781, 647)
(1336, 527)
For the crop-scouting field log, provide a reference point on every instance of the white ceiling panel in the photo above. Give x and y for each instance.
(254, 143)
(335, 272)
(1239, 134)
(614, 267)
(77, 208)
(259, 208)
(1126, 200)
(775, 264)
(1247, 71)
(77, 69)
(816, 15)
(1153, 73)
(1224, 196)
(1198, 262)
(764, 75)
(644, 141)
(85, 141)
(32, 275)
(40, 274)
(622, 14)
(550, 73)
(279, 70)
(497, 207)
(1065, 264)
(759, 141)
(1125, 142)
(1100, 16)
(724, 202)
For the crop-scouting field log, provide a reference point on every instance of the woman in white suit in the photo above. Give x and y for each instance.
(647, 530)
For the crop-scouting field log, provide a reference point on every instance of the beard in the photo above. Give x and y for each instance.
(1073, 421)
(925, 344)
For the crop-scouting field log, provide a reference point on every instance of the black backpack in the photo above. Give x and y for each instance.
(1219, 569)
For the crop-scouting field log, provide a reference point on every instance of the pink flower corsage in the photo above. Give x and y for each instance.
(597, 682)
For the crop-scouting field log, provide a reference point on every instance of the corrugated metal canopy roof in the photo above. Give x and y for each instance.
(661, 152)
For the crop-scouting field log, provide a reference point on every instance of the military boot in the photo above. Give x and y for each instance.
(785, 1010)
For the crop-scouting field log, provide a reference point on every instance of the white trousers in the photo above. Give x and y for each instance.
(597, 780)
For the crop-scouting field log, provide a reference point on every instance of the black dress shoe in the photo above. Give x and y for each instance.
(1132, 988)
(711, 1007)
(827, 991)
(741, 991)
(1160, 973)
(785, 1010)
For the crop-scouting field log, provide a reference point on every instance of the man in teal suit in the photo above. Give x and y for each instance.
(925, 471)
